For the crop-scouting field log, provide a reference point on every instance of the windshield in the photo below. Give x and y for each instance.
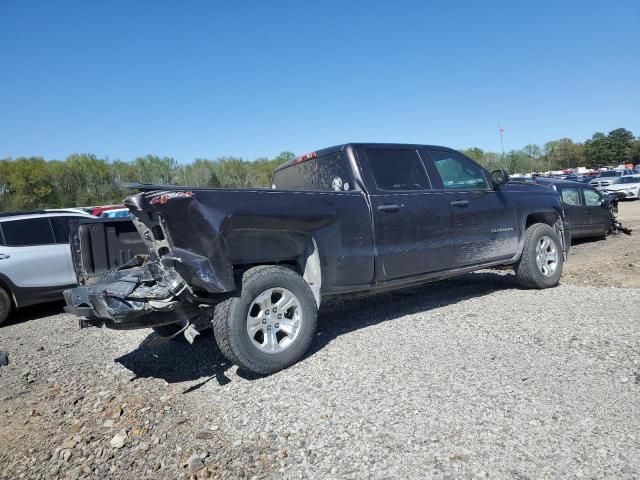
(628, 180)
(611, 173)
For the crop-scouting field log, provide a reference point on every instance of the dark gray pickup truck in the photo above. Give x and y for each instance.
(254, 264)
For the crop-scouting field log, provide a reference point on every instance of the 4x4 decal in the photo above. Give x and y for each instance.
(165, 197)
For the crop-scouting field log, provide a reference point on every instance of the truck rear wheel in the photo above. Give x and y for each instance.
(5, 305)
(540, 265)
(268, 324)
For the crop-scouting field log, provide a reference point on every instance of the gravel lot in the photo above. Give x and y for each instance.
(472, 377)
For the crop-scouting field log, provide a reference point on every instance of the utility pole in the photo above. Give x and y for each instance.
(501, 130)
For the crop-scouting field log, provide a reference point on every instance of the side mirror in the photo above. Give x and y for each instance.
(498, 177)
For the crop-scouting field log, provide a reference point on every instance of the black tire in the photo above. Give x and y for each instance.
(527, 271)
(5, 305)
(230, 320)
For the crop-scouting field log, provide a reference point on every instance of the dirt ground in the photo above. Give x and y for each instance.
(614, 261)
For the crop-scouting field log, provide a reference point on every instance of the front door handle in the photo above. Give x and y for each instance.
(459, 203)
(4, 256)
(389, 208)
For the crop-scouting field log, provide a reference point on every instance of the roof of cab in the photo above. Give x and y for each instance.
(344, 146)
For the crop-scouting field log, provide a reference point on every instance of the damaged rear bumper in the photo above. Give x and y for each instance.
(130, 299)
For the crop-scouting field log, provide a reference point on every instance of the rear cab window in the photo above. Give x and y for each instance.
(330, 172)
(397, 169)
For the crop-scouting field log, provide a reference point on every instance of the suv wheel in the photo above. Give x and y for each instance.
(269, 323)
(542, 260)
(5, 305)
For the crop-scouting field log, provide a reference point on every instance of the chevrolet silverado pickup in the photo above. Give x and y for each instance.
(255, 264)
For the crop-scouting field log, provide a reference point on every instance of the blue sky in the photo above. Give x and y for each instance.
(253, 78)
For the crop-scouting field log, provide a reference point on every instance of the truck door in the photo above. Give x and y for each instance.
(574, 209)
(598, 217)
(484, 220)
(411, 222)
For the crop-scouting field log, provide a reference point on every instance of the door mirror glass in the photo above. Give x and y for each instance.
(498, 177)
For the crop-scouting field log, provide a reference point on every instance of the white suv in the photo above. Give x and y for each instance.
(35, 257)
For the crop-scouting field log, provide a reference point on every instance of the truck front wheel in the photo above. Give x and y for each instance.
(540, 265)
(269, 323)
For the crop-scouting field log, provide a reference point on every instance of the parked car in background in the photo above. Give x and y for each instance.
(607, 177)
(99, 211)
(35, 258)
(116, 213)
(588, 212)
(627, 187)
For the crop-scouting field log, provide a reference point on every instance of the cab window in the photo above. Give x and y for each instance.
(327, 173)
(592, 198)
(571, 196)
(458, 172)
(396, 169)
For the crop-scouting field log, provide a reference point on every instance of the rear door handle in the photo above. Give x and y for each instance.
(389, 208)
(4, 256)
(459, 203)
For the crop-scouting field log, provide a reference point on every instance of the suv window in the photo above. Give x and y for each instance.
(458, 172)
(61, 229)
(328, 172)
(570, 196)
(34, 231)
(592, 198)
(397, 169)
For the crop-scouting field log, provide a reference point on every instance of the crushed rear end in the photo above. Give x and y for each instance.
(175, 264)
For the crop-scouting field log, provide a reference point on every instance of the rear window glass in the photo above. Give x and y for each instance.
(328, 172)
(61, 228)
(34, 231)
(397, 169)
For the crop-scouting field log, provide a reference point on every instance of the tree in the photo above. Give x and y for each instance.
(598, 151)
(621, 145)
(531, 150)
(474, 152)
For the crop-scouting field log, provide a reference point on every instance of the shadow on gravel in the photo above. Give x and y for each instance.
(341, 315)
(180, 362)
(34, 313)
(177, 361)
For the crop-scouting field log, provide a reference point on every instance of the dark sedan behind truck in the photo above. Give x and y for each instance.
(255, 264)
(589, 212)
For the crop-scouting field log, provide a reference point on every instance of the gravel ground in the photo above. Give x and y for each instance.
(612, 262)
(471, 377)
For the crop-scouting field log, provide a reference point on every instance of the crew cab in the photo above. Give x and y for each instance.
(255, 264)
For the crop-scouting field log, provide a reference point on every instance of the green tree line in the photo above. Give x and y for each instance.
(84, 179)
(615, 148)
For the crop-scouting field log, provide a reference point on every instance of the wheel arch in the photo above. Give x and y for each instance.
(7, 285)
(548, 217)
(299, 251)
